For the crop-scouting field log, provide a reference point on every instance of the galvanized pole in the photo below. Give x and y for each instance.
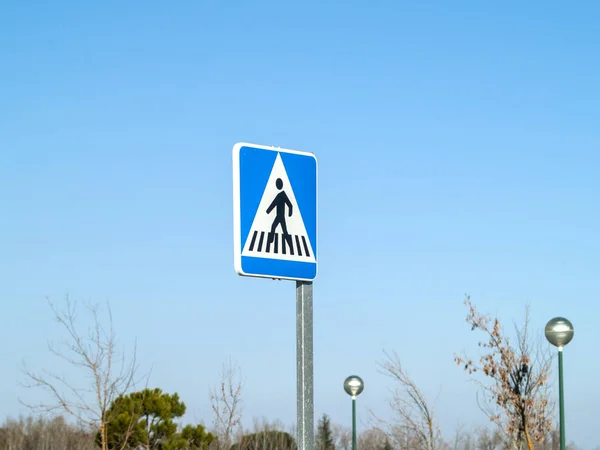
(304, 365)
(561, 399)
(353, 423)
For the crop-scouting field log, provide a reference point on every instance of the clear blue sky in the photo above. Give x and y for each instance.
(458, 150)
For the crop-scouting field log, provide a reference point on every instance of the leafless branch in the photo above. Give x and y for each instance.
(415, 424)
(226, 404)
(95, 354)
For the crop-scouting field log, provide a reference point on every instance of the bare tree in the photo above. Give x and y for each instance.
(415, 426)
(342, 436)
(462, 439)
(28, 433)
(226, 403)
(267, 436)
(490, 440)
(372, 439)
(95, 354)
(514, 381)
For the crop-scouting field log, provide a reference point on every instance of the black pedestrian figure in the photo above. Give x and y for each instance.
(279, 202)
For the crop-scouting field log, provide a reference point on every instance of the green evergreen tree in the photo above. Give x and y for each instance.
(147, 419)
(196, 437)
(324, 434)
(387, 445)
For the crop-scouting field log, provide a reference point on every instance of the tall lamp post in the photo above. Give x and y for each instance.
(353, 385)
(559, 332)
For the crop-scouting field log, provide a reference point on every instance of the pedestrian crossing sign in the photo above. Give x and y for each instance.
(275, 212)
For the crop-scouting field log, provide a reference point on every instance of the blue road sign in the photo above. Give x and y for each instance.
(275, 212)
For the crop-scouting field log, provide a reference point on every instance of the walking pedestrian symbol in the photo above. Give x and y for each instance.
(278, 231)
(280, 202)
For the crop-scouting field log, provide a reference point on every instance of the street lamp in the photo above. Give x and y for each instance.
(559, 332)
(353, 385)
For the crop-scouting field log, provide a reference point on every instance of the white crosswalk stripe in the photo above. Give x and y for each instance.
(263, 243)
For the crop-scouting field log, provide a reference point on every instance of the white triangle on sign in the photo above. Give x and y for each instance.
(267, 238)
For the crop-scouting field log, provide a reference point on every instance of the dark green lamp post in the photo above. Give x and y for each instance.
(353, 385)
(559, 332)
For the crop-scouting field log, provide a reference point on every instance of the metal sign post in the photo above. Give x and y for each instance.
(275, 236)
(304, 364)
